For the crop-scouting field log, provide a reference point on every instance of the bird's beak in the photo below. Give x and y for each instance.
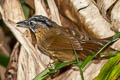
(25, 24)
(22, 24)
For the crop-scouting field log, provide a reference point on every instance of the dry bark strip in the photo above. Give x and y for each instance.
(93, 20)
(11, 72)
(11, 12)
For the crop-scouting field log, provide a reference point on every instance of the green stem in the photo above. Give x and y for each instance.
(77, 60)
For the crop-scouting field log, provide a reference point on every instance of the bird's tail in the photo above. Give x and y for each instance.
(91, 47)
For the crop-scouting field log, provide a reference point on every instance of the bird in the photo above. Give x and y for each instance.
(58, 42)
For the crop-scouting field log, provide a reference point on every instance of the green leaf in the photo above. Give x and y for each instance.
(86, 61)
(59, 65)
(109, 68)
(109, 54)
(4, 60)
(116, 36)
(50, 70)
(89, 58)
(115, 73)
(42, 75)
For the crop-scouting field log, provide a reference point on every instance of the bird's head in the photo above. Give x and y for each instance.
(40, 20)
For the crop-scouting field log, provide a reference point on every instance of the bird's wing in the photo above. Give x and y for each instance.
(61, 45)
(85, 48)
(62, 42)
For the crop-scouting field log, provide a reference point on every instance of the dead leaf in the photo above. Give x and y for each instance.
(11, 72)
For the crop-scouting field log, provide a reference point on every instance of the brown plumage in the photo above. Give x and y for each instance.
(56, 41)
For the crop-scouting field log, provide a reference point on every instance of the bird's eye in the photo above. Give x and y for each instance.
(32, 22)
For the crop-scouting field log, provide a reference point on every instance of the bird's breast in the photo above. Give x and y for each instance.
(43, 35)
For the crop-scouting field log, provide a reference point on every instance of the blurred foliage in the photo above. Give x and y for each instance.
(22, 1)
(26, 9)
(4, 60)
(4, 27)
(8, 34)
